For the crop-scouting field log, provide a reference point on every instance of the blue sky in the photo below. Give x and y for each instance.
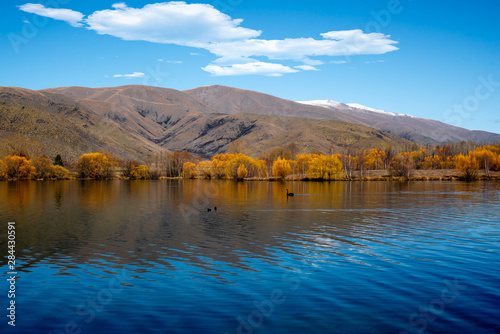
(437, 60)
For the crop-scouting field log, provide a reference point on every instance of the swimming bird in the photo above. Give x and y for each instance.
(289, 194)
(215, 208)
(208, 210)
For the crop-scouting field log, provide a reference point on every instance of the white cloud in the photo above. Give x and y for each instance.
(261, 68)
(70, 16)
(204, 27)
(338, 62)
(336, 43)
(306, 68)
(374, 61)
(170, 61)
(170, 23)
(130, 76)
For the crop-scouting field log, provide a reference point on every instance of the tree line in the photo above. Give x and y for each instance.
(467, 158)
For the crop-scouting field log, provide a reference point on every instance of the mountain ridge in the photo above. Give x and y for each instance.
(204, 120)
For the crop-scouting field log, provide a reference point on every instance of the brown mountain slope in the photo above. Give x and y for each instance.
(229, 100)
(63, 126)
(211, 134)
(135, 120)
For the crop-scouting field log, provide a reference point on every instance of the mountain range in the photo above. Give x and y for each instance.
(134, 121)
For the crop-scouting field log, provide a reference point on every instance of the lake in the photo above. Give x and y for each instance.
(338, 257)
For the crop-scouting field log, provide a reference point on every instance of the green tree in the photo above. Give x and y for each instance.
(58, 161)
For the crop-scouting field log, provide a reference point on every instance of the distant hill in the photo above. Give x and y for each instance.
(133, 121)
(229, 100)
(63, 126)
(416, 129)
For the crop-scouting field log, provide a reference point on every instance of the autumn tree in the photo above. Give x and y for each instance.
(375, 159)
(3, 170)
(206, 168)
(466, 166)
(141, 172)
(43, 167)
(242, 172)
(324, 167)
(19, 168)
(281, 168)
(59, 173)
(189, 170)
(129, 166)
(95, 166)
(402, 165)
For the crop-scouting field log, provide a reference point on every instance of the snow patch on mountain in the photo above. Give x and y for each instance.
(349, 106)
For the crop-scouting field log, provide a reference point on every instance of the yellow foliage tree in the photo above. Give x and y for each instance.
(325, 167)
(189, 170)
(95, 166)
(206, 168)
(58, 172)
(375, 159)
(19, 168)
(141, 172)
(302, 161)
(43, 167)
(242, 172)
(432, 162)
(281, 168)
(466, 166)
(486, 158)
(3, 170)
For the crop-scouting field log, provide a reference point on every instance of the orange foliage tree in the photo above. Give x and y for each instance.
(59, 172)
(19, 168)
(466, 166)
(281, 168)
(95, 166)
(375, 159)
(325, 167)
(3, 170)
(242, 172)
(402, 164)
(189, 170)
(141, 172)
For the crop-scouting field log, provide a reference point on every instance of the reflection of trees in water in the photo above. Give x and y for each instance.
(138, 223)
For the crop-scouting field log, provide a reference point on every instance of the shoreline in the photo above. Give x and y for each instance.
(369, 175)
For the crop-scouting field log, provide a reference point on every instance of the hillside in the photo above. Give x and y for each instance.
(64, 127)
(416, 129)
(229, 100)
(133, 121)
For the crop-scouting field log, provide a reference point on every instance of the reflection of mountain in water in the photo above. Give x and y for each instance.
(144, 223)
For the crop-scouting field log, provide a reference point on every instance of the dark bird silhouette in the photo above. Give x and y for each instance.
(208, 210)
(215, 208)
(289, 194)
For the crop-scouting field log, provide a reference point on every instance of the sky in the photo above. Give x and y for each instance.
(432, 59)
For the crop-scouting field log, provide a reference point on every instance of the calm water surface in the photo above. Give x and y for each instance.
(340, 257)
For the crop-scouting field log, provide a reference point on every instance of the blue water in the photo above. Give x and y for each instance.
(340, 257)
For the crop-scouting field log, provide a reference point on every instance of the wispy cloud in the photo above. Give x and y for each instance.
(260, 68)
(306, 68)
(70, 16)
(374, 61)
(338, 61)
(170, 61)
(130, 76)
(204, 27)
